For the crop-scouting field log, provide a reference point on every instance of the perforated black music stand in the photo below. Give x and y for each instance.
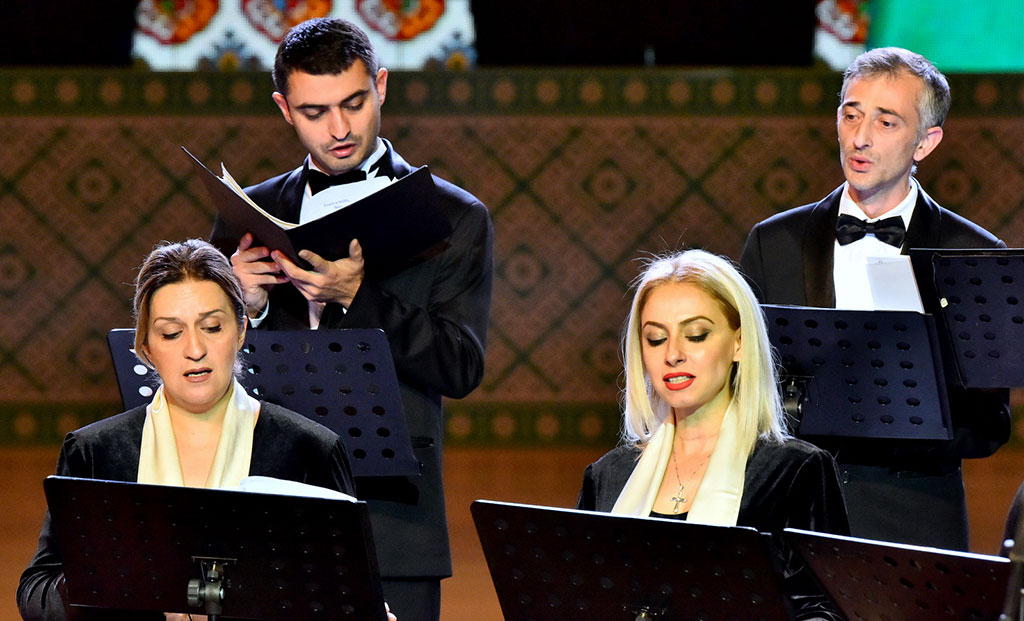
(866, 374)
(871, 580)
(549, 563)
(136, 382)
(142, 547)
(979, 297)
(342, 379)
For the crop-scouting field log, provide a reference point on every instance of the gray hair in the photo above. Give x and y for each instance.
(932, 106)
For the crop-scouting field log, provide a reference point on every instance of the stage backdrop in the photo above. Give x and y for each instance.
(584, 172)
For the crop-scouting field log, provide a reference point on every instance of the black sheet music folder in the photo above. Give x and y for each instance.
(342, 379)
(396, 226)
(549, 563)
(131, 546)
(979, 297)
(876, 581)
(866, 374)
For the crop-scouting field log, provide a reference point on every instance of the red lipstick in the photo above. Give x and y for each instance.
(678, 381)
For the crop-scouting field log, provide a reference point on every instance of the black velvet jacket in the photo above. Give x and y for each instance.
(789, 485)
(284, 445)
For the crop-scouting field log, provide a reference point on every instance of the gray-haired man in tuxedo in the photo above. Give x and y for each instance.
(892, 107)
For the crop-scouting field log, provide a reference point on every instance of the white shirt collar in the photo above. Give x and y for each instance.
(849, 269)
(905, 208)
(365, 166)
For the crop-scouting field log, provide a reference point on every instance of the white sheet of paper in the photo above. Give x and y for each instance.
(340, 196)
(229, 181)
(282, 487)
(893, 286)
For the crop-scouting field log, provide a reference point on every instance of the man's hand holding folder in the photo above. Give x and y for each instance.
(380, 235)
(328, 281)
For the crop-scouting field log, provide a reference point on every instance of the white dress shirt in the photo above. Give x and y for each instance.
(328, 201)
(337, 197)
(849, 269)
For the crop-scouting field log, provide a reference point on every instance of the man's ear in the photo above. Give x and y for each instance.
(282, 105)
(932, 138)
(382, 84)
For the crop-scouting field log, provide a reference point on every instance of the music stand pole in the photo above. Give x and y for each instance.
(208, 592)
(1013, 605)
(643, 615)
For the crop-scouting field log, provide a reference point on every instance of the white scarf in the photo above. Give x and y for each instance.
(718, 499)
(158, 458)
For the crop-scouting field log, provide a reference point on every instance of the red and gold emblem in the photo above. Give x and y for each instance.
(275, 18)
(400, 20)
(175, 21)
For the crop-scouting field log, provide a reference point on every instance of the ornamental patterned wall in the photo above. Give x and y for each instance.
(582, 171)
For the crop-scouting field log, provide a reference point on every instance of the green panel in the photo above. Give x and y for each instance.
(468, 424)
(46, 423)
(491, 92)
(956, 35)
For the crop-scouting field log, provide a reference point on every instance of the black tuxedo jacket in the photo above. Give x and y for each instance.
(284, 445)
(910, 492)
(435, 316)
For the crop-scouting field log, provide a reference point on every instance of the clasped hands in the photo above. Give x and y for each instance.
(329, 281)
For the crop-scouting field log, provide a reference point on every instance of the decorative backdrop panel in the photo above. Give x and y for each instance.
(583, 173)
(233, 34)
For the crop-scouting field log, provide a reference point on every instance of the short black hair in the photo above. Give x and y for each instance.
(322, 46)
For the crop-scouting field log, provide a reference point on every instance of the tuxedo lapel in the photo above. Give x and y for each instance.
(818, 252)
(295, 309)
(289, 200)
(392, 164)
(925, 223)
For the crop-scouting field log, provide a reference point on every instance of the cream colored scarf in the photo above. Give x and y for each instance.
(718, 498)
(158, 459)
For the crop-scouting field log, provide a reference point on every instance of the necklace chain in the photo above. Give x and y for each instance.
(679, 499)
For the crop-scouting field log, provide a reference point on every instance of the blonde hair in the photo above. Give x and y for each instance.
(754, 385)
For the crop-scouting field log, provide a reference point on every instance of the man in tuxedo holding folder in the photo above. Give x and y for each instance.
(434, 312)
(893, 104)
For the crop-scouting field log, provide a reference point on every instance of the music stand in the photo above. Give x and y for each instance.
(155, 548)
(871, 580)
(549, 563)
(978, 296)
(866, 374)
(342, 379)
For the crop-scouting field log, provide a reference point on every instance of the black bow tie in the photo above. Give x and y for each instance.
(318, 181)
(890, 230)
